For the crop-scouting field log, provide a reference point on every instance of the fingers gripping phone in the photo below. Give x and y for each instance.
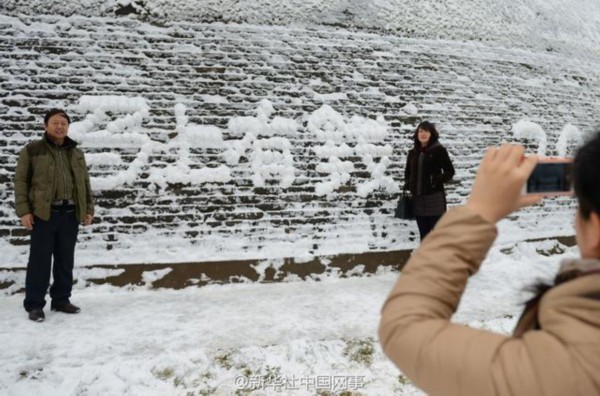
(551, 176)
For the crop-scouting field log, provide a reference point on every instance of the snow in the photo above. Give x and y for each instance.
(569, 137)
(138, 340)
(141, 340)
(118, 104)
(214, 99)
(265, 150)
(330, 97)
(411, 109)
(149, 277)
(271, 156)
(569, 134)
(266, 138)
(530, 130)
(336, 133)
(198, 136)
(152, 246)
(550, 25)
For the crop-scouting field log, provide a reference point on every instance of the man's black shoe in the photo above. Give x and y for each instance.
(66, 308)
(37, 315)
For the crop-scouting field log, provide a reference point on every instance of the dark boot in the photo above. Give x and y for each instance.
(37, 315)
(65, 307)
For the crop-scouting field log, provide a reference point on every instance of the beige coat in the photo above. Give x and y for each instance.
(442, 358)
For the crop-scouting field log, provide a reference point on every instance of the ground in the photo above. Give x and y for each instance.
(295, 337)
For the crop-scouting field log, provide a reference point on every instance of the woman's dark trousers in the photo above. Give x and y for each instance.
(53, 238)
(426, 224)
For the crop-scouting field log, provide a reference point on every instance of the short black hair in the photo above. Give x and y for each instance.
(54, 112)
(428, 126)
(585, 176)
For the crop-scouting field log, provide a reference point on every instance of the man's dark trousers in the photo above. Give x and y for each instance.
(56, 237)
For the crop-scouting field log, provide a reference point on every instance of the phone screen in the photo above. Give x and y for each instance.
(550, 177)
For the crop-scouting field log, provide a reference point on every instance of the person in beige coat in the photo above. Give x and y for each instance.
(555, 349)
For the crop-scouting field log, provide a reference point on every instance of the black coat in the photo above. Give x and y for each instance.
(437, 170)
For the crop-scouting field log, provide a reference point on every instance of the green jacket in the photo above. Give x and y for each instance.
(34, 179)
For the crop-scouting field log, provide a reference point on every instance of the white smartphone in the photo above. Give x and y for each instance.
(551, 176)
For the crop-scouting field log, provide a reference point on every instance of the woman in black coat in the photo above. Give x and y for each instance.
(428, 168)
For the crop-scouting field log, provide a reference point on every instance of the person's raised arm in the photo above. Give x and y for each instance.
(415, 330)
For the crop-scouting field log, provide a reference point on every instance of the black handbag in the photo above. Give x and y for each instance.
(404, 210)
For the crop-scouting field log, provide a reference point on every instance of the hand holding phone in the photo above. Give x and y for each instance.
(552, 176)
(497, 188)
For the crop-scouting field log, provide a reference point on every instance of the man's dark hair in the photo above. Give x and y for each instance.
(53, 112)
(585, 176)
(430, 127)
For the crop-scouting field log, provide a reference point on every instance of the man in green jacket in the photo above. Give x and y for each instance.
(52, 197)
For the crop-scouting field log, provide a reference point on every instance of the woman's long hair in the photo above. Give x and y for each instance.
(427, 126)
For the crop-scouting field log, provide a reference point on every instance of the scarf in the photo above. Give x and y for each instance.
(569, 270)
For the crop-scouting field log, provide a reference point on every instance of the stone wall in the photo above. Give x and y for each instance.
(166, 198)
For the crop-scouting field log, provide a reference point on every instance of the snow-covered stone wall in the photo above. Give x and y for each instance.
(212, 141)
(565, 26)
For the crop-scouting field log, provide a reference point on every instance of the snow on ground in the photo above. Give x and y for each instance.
(299, 338)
